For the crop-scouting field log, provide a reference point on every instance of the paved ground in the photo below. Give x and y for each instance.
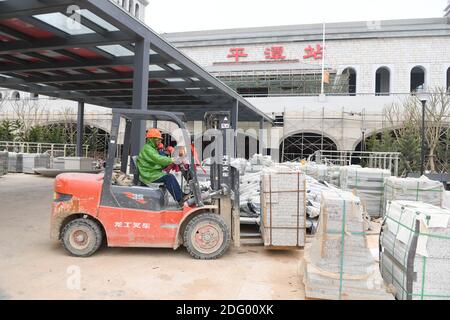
(34, 267)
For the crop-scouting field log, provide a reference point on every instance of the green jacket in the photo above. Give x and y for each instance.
(150, 163)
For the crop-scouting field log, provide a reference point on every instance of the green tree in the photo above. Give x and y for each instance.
(409, 145)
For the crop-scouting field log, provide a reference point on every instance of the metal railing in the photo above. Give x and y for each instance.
(380, 160)
(53, 149)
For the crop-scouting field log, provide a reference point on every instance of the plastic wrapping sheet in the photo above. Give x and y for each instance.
(369, 185)
(415, 256)
(338, 262)
(414, 189)
(15, 162)
(3, 163)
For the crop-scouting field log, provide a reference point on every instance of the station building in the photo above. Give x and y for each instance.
(367, 66)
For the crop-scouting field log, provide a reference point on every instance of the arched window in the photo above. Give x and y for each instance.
(136, 11)
(417, 78)
(15, 95)
(130, 6)
(351, 74)
(34, 96)
(448, 80)
(383, 82)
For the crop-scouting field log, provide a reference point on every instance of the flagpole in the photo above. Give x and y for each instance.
(322, 91)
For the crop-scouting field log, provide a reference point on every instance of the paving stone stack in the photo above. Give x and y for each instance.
(32, 161)
(317, 171)
(3, 163)
(415, 255)
(414, 189)
(338, 263)
(73, 163)
(369, 185)
(15, 162)
(334, 175)
(283, 202)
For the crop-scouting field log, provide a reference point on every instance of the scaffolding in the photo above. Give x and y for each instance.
(284, 82)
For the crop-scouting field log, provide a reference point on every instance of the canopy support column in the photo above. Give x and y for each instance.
(80, 129)
(140, 92)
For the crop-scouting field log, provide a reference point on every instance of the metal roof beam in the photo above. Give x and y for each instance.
(21, 8)
(81, 41)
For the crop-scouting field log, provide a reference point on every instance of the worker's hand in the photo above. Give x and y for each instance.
(170, 150)
(182, 152)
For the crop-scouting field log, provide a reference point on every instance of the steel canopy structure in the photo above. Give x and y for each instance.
(92, 51)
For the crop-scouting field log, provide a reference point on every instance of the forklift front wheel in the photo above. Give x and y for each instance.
(207, 236)
(81, 237)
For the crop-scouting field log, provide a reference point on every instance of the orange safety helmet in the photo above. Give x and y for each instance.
(154, 133)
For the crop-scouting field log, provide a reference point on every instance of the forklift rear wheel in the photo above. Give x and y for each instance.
(207, 236)
(81, 237)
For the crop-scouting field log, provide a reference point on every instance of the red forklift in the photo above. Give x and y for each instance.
(90, 209)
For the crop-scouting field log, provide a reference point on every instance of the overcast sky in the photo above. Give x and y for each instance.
(188, 15)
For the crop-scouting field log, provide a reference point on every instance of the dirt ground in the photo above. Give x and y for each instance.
(34, 267)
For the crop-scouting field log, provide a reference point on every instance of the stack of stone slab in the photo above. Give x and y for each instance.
(15, 162)
(283, 208)
(32, 161)
(333, 176)
(3, 163)
(73, 163)
(369, 186)
(338, 263)
(414, 189)
(415, 250)
(317, 171)
(446, 202)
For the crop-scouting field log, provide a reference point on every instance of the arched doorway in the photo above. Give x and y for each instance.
(383, 82)
(301, 145)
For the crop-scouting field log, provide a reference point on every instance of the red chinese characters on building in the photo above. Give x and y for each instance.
(311, 52)
(275, 53)
(237, 53)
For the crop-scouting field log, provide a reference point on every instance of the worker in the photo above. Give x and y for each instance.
(151, 164)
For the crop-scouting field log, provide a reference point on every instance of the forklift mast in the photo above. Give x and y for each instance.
(223, 175)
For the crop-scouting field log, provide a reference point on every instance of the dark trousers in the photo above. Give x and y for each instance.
(172, 186)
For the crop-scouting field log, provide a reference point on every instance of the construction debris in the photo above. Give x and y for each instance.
(338, 263)
(32, 161)
(3, 163)
(15, 162)
(415, 250)
(369, 186)
(283, 202)
(414, 189)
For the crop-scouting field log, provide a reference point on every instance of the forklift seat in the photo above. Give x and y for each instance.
(155, 186)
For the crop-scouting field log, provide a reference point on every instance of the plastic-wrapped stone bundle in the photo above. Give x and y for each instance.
(317, 171)
(334, 175)
(369, 185)
(338, 263)
(415, 255)
(32, 161)
(283, 218)
(414, 189)
(446, 202)
(3, 163)
(15, 162)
